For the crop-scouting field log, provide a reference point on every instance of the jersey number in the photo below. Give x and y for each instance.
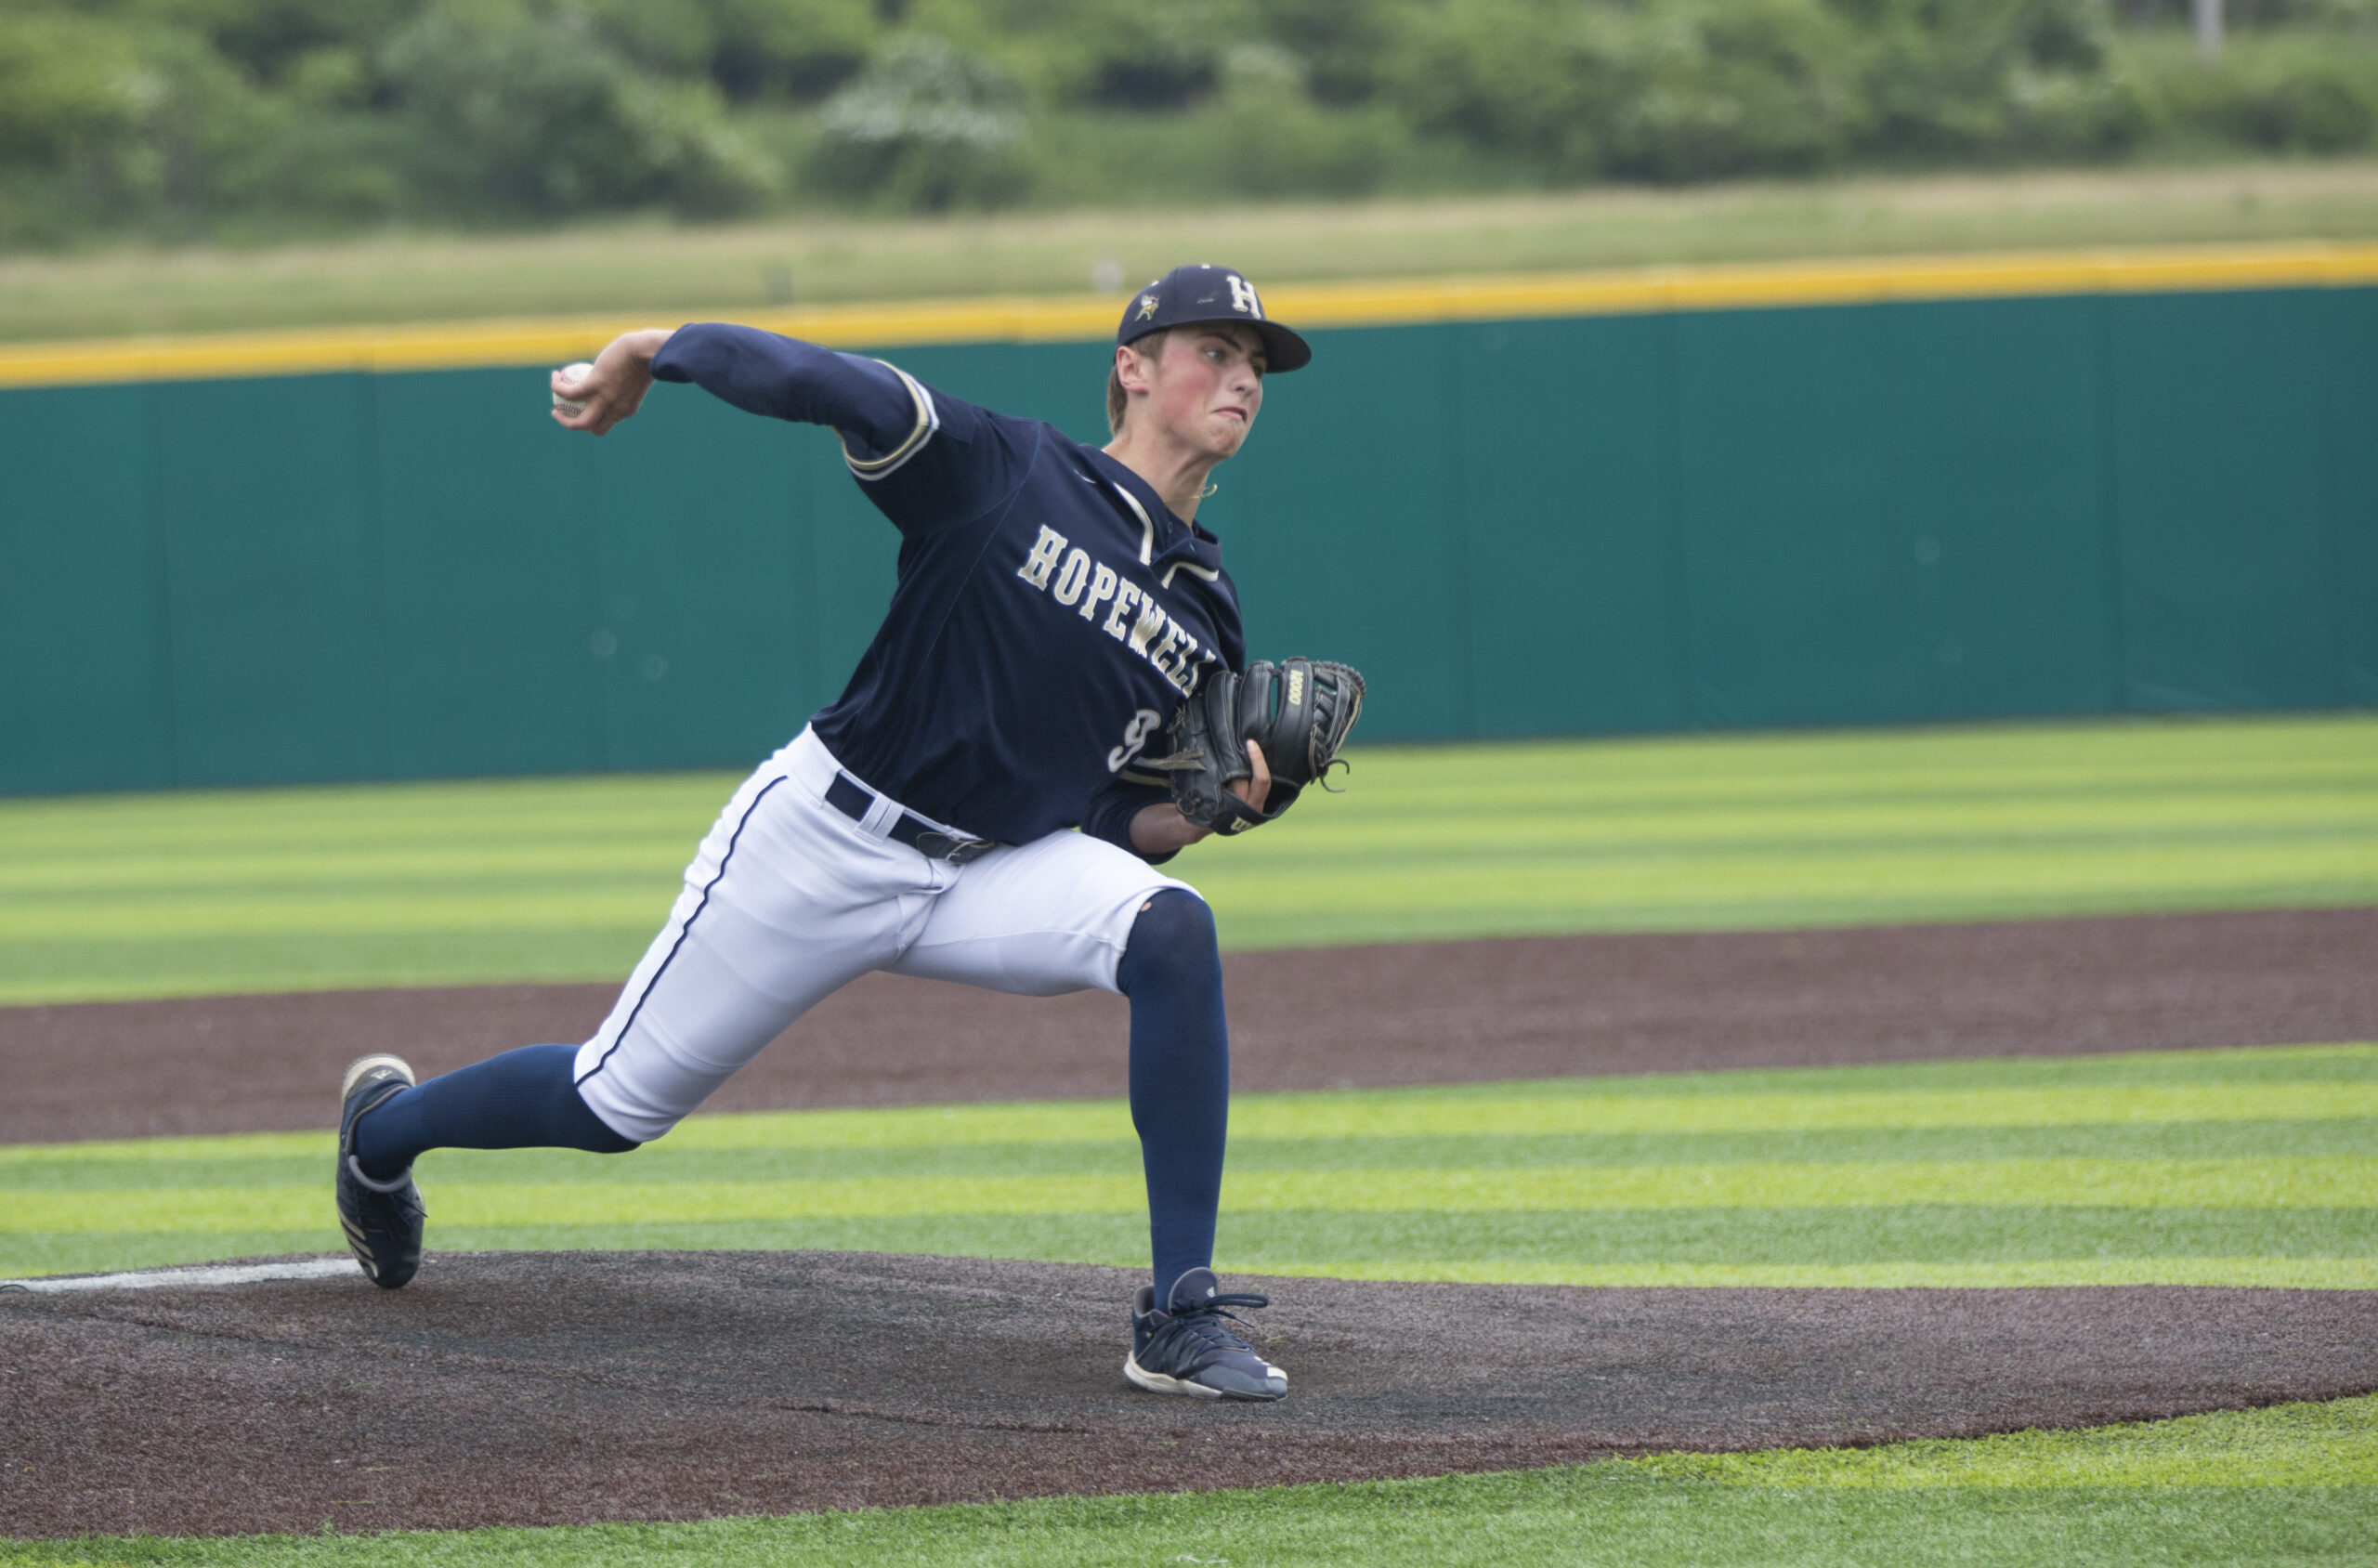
(1135, 738)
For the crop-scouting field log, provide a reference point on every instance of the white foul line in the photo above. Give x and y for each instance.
(151, 1279)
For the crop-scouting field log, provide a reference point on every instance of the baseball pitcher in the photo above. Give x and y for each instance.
(1057, 702)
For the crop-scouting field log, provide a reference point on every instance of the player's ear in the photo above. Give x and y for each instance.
(1131, 367)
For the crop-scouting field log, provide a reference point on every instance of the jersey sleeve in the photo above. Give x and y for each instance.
(927, 460)
(1113, 807)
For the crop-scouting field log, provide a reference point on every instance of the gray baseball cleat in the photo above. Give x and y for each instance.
(383, 1219)
(1187, 1347)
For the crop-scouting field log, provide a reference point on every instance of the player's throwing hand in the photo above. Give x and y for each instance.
(609, 390)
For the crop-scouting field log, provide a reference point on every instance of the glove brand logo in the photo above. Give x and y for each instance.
(1082, 584)
(1295, 686)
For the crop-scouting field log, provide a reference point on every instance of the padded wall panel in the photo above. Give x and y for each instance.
(274, 586)
(1999, 544)
(2220, 417)
(707, 599)
(1783, 516)
(1567, 457)
(1796, 611)
(2351, 497)
(1066, 383)
(1337, 524)
(83, 685)
(494, 623)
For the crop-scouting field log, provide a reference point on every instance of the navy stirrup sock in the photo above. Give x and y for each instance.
(1172, 971)
(523, 1099)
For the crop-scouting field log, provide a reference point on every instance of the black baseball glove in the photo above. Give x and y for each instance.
(1299, 712)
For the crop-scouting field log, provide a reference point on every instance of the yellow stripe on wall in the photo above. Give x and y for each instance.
(1085, 317)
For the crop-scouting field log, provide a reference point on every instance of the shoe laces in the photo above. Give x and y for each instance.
(1202, 1321)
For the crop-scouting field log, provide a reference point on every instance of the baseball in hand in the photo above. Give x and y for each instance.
(572, 374)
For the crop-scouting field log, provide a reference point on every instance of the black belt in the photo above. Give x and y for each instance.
(915, 831)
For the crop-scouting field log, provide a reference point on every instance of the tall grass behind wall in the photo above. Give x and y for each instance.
(248, 118)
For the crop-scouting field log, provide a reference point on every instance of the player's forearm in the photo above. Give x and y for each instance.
(640, 346)
(785, 378)
(1160, 829)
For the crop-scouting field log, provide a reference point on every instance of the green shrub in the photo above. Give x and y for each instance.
(789, 51)
(1690, 89)
(179, 117)
(511, 110)
(2280, 94)
(925, 127)
(74, 100)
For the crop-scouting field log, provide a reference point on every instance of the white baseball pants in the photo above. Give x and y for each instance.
(788, 900)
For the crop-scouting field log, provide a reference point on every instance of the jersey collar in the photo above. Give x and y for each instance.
(1166, 534)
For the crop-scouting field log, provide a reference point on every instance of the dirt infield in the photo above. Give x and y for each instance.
(1427, 1013)
(569, 1387)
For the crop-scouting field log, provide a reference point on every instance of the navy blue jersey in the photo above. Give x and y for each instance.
(1050, 611)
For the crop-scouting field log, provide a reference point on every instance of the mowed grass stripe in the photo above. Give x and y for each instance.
(658, 1163)
(2126, 765)
(2335, 1183)
(568, 879)
(2261, 1273)
(1575, 1107)
(2213, 1176)
(2328, 1443)
(169, 866)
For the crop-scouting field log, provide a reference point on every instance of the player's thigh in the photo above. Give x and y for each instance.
(1036, 919)
(785, 903)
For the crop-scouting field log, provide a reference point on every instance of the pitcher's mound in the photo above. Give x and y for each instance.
(560, 1388)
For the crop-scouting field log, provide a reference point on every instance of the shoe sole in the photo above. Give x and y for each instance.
(1157, 1382)
(356, 1243)
(362, 1064)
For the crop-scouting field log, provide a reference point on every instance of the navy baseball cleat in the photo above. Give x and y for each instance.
(383, 1219)
(1188, 1348)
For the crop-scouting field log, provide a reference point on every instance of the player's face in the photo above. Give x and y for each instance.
(1208, 385)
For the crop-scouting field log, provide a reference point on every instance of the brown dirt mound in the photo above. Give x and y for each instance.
(557, 1388)
(1424, 1012)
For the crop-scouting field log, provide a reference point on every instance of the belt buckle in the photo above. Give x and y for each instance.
(957, 851)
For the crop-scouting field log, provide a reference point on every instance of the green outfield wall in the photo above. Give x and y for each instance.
(1655, 517)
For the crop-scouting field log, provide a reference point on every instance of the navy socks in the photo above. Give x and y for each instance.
(523, 1099)
(1172, 971)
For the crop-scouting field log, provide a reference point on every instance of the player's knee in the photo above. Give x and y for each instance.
(1171, 938)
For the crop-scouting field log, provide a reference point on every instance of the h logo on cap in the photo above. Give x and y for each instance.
(1242, 296)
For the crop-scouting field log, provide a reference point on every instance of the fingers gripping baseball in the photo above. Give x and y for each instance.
(596, 397)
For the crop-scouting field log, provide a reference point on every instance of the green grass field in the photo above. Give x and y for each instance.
(566, 878)
(680, 273)
(2247, 1167)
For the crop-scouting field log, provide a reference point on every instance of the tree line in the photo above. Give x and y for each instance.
(185, 118)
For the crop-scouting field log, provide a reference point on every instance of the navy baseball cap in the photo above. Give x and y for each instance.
(1193, 295)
